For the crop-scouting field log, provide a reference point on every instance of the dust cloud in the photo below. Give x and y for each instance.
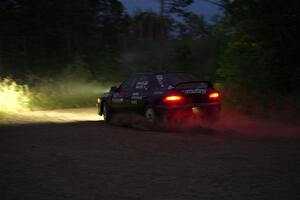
(254, 127)
(228, 124)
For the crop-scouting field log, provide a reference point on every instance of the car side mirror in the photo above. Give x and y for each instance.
(113, 89)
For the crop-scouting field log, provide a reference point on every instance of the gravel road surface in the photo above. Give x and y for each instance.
(84, 159)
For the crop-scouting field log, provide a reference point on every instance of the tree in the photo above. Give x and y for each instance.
(174, 6)
(265, 33)
(44, 35)
(112, 22)
(150, 26)
(193, 26)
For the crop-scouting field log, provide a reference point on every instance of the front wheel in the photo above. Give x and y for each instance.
(106, 111)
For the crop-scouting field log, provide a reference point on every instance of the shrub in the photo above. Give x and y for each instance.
(13, 97)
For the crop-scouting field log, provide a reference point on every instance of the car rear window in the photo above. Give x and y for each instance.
(202, 84)
(167, 80)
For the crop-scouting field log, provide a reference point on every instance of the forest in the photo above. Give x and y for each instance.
(63, 53)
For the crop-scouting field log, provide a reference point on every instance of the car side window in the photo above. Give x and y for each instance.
(154, 84)
(142, 83)
(127, 85)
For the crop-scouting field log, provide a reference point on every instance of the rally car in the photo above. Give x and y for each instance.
(160, 96)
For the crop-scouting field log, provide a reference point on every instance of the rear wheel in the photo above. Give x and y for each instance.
(106, 111)
(150, 115)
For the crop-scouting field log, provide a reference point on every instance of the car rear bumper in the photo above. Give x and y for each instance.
(200, 108)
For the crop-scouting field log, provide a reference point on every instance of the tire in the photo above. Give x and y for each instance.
(106, 112)
(150, 115)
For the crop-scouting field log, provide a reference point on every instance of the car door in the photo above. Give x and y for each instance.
(121, 98)
(140, 91)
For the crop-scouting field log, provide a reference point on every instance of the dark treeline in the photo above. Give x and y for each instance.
(260, 56)
(251, 49)
(263, 37)
(42, 37)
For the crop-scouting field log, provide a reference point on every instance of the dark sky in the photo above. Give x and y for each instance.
(199, 6)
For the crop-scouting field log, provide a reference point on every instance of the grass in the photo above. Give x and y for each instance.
(48, 94)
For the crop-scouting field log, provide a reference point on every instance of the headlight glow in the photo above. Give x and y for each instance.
(13, 97)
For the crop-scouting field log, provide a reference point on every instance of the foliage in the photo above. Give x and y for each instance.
(73, 87)
(193, 26)
(43, 36)
(13, 97)
(259, 62)
(150, 26)
(262, 45)
(177, 6)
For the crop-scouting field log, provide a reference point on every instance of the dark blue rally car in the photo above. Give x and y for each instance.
(160, 96)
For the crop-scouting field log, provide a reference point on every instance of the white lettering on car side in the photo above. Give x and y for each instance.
(117, 100)
(136, 95)
(133, 101)
(141, 84)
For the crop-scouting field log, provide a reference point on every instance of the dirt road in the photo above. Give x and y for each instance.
(89, 160)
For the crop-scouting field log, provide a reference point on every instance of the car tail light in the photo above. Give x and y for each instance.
(173, 98)
(214, 95)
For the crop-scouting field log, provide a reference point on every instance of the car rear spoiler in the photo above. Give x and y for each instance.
(188, 82)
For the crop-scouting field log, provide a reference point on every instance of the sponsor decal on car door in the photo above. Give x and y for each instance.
(140, 89)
